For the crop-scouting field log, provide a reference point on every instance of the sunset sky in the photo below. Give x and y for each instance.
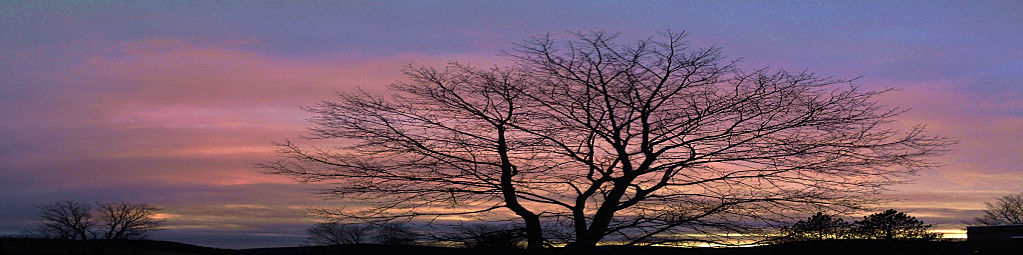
(172, 102)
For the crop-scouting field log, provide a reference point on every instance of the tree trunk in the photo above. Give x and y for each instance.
(534, 232)
(534, 235)
(601, 220)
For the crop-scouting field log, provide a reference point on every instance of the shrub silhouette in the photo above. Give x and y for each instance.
(395, 233)
(820, 226)
(491, 236)
(892, 224)
(333, 233)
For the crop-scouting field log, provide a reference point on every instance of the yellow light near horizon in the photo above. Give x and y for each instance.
(164, 216)
(951, 233)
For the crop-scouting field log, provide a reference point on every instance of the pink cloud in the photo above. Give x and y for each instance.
(984, 165)
(177, 111)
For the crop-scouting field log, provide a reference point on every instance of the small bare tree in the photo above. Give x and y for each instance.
(1004, 210)
(333, 233)
(68, 220)
(122, 220)
(81, 221)
(646, 142)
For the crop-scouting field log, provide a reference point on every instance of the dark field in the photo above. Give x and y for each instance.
(15, 246)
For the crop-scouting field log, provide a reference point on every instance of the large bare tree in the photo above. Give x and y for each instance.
(641, 143)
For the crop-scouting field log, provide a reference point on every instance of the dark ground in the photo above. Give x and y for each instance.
(16, 246)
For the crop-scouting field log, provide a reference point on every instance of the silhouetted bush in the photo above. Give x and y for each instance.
(820, 226)
(892, 224)
(395, 233)
(490, 236)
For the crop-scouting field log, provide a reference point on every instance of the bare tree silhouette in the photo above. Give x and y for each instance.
(122, 220)
(67, 220)
(643, 142)
(81, 221)
(1007, 209)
